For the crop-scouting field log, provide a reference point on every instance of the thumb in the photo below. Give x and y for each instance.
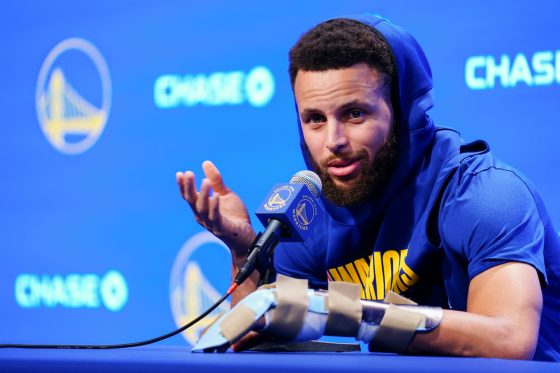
(215, 177)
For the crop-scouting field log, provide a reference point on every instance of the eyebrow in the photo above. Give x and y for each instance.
(346, 106)
(358, 103)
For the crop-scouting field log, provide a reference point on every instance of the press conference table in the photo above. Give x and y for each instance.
(180, 359)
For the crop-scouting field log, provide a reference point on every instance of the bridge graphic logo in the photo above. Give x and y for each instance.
(200, 274)
(71, 122)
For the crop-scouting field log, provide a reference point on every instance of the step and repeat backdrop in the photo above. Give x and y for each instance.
(102, 102)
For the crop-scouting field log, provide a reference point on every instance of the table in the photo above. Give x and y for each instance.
(180, 359)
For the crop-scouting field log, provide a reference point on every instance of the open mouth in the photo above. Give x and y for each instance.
(344, 169)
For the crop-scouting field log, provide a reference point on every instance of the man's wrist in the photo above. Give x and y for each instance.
(239, 254)
(237, 261)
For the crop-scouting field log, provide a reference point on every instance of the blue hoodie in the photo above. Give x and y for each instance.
(449, 212)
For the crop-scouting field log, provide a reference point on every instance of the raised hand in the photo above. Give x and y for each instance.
(223, 213)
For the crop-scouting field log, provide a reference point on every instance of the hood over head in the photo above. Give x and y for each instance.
(411, 100)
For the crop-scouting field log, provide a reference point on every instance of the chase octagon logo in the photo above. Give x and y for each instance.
(73, 96)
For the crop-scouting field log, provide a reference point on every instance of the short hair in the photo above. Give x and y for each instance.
(341, 43)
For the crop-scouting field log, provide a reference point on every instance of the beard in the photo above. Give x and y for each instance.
(371, 180)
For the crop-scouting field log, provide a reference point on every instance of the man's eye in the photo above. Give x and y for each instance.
(355, 114)
(316, 118)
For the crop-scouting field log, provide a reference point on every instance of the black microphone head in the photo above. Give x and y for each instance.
(310, 179)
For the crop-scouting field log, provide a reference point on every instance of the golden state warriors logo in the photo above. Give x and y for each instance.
(73, 96)
(199, 276)
(279, 197)
(304, 213)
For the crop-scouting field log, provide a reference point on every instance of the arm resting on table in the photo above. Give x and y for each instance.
(502, 318)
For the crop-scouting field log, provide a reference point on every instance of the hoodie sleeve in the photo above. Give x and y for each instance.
(492, 218)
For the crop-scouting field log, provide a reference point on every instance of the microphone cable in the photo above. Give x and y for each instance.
(132, 344)
(266, 244)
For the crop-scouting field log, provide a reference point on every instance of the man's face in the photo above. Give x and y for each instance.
(346, 118)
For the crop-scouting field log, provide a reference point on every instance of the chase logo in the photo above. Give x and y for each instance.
(304, 213)
(255, 87)
(279, 198)
(73, 96)
(197, 272)
(72, 291)
(487, 72)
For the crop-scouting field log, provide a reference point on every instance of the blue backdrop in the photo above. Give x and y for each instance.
(102, 102)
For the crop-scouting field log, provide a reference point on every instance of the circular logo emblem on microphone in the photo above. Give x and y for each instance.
(279, 198)
(304, 213)
(73, 96)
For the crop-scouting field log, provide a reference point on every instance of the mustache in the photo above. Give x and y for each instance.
(345, 157)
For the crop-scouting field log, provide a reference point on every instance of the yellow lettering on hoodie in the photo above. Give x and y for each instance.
(378, 273)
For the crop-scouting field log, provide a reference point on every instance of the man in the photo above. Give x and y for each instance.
(409, 207)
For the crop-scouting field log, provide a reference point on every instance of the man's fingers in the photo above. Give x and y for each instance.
(202, 201)
(214, 208)
(190, 193)
(215, 177)
(180, 183)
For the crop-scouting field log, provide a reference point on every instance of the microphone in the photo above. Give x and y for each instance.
(289, 211)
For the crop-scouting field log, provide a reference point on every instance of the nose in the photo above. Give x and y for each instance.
(337, 140)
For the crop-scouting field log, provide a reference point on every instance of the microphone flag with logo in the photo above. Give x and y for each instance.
(289, 212)
(294, 204)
